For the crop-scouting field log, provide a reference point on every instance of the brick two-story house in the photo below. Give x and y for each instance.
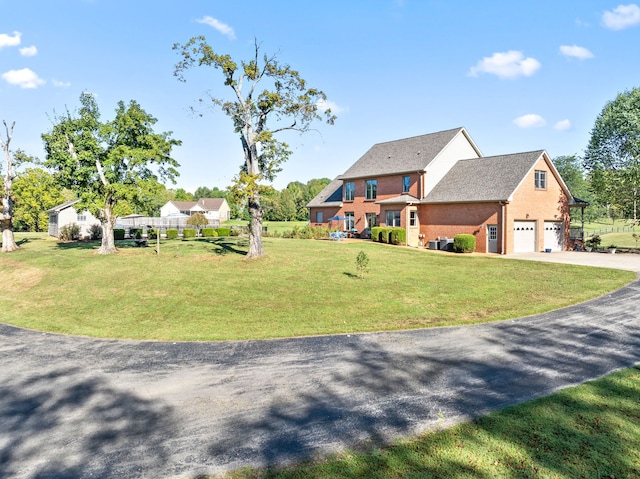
(439, 185)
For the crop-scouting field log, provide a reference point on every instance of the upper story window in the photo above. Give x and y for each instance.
(82, 218)
(349, 190)
(541, 180)
(371, 189)
(406, 183)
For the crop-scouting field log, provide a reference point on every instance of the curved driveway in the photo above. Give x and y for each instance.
(79, 407)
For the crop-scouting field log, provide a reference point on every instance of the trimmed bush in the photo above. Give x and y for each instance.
(188, 233)
(152, 233)
(172, 233)
(118, 234)
(223, 231)
(133, 233)
(209, 233)
(389, 235)
(464, 243)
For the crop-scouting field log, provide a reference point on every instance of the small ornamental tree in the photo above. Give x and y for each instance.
(105, 163)
(266, 98)
(198, 220)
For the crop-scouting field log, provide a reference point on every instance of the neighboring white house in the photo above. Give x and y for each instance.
(214, 209)
(66, 214)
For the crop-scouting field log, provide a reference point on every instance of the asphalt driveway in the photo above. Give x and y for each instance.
(78, 408)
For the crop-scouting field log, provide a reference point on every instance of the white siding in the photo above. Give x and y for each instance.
(458, 149)
(167, 209)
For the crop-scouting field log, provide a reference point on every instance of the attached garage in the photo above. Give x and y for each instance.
(554, 235)
(524, 236)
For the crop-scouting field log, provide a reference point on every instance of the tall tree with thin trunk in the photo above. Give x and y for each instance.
(107, 162)
(6, 217)
(266, 98)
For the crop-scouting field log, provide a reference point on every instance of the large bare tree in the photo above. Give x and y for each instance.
(266, 98)
(6, 217)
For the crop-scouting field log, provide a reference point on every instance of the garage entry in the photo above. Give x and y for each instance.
(524, 236)
(554, 235)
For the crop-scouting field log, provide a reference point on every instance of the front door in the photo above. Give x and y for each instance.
(492, 238)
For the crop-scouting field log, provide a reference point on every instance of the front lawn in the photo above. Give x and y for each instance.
(205, 289)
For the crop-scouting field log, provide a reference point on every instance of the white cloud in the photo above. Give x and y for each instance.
(563, 125)
(509, 64)
(325, 105)
(530, 121)
(29, 51)
(24, 78)
(10, 41)
(60, 84)
(218, 25)
(576, 52)
(623, 16)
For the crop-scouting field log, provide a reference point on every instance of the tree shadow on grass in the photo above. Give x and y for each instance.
(63, 425)
(227, 245)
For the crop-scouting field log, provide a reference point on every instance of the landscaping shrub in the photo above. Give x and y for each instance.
(378, 233)
(464, 243)
(152, 233)
(236, 231)
(172, 233)
(223, 231)
(118, 233)
(188, 233)
(133, 233)
(95, 232)
(209, 233)
(398, 235)
(70, 232)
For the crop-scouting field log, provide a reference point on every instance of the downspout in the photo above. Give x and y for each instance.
(503, 242)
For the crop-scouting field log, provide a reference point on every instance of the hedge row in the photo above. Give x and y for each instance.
(384, 234)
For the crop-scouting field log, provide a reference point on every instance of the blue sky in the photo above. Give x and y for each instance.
(519, 76)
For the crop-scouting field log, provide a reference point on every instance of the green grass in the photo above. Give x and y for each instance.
(591, 431)
(622, 239)
(205, 289)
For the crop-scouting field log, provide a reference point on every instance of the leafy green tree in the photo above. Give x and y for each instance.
(202, 192)
(35, 191)
(262, 90)
(199, 220)
(182, 195)
(612, 157)
(105, 163)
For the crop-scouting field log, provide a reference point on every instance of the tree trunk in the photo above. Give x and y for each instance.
(107, 220)
(255, 228)
(8, 241)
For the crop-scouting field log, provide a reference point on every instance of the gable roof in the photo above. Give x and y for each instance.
(493, 178)
(331, 195)
(208, 204)
(403, 156)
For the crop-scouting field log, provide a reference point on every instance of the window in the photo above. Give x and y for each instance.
(371, 220)
(541, 180)
(349, 190)
(413, 218)
(349, 222)
(318, 216)
(82, 218)
(406, 183)
(371, 189)
(393, 218)
(493, 233)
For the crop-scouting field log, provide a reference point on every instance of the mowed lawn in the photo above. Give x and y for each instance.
(205, 289)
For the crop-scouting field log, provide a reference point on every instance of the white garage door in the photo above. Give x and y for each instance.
(553, 235)
(524, 236)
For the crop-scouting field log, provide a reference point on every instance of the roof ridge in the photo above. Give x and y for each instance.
(418, 136)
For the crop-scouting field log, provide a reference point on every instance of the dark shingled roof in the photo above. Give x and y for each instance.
(331, 195)
(401, 156)
(493, 178)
